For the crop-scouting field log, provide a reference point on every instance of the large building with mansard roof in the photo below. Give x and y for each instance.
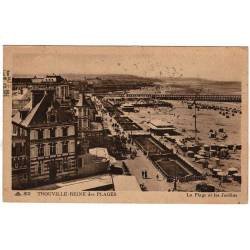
(52, 134)
(43, 141)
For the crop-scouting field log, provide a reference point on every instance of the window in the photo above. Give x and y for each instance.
(62, 91)
(71, 163)
(40, 134)
(39, 170)
(14, 163)
(65, 147)
(53, 148)
(59, 166)
(18, 149)
(14, 153)
(24, 162)
(52, 118)
(14, 129)
(40, 167)
(23, 132)
(40, 150)
(85, 112)
(65, 164)
(52, 133)
(65, 131)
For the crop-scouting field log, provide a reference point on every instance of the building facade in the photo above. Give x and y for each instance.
(52, 135)
(20, 156)
(44, 141)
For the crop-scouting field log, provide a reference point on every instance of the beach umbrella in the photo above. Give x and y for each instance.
(202, 153)
(237, 177)
(198, 156)
(221, 174)
(216, 170)
(232, 171)
(202, 161)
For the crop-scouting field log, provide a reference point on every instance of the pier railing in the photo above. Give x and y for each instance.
(215, 98)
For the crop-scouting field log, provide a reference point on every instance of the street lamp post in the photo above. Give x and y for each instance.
(195, 121)
(195, 113)
(175, 180)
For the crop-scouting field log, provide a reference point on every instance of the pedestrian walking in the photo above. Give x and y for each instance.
(157, 177)
(146, 174)
(220, 183)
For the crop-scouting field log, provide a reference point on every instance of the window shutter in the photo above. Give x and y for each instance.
(71, 130)
(58, 132)
(33, 151)
(72, 147)
(47, 149)
(33, 135)
(36, 151)
(46, 133)
(59, 148)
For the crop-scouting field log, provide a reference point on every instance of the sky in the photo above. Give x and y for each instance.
(215, 63)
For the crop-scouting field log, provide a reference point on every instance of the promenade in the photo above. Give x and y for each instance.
(142, 163)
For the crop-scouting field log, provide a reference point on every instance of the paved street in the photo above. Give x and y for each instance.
(141, 163)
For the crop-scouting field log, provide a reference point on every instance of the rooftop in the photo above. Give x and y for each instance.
(102, 152)
(21, 80)
(38, 114)
(160, 123)
(85, 184)
(125, 183)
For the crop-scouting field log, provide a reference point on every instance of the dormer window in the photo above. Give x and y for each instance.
(52, 118)
(51, 115)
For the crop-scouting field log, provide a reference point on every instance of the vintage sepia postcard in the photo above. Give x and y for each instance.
(125, 124)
